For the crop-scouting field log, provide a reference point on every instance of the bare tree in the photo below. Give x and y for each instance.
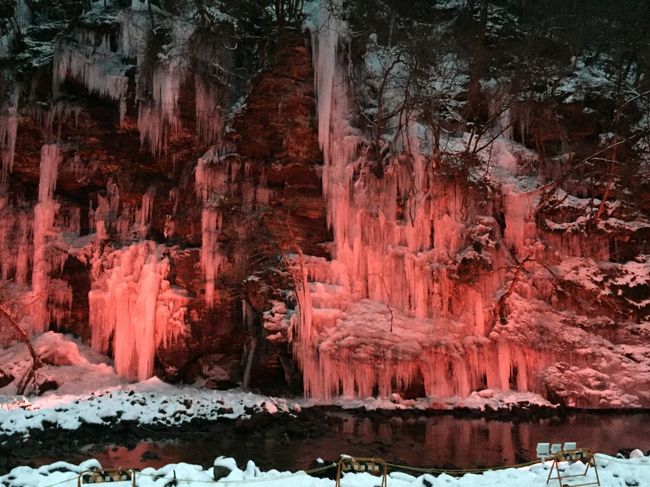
(30, 375)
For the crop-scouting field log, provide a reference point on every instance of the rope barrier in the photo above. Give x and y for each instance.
(460, 471)
(253, 480)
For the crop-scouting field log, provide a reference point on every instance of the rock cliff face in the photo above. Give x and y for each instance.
(307, 225)
(149, 238)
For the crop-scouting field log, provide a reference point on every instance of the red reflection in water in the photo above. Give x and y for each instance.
(422, 441)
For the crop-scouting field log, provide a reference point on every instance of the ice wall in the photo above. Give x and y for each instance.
(133, 307)
(408, 298)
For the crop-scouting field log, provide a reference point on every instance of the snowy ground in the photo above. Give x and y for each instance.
(91, 393)
(612, 472)
(146, 403)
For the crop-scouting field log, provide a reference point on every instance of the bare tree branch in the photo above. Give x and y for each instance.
(36, 361)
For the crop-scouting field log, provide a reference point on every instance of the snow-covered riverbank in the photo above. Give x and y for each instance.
(613, 472)
(145, 403)
(89, 392)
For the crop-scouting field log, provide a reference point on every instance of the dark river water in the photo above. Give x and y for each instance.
(440, 441)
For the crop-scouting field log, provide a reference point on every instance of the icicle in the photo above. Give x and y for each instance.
(134, 309)
(55, 115)
(101, 218)
(211, 258)
(8, 131)
(500, 112)
(44, 213)
(248, 314)
(15, 242)
(173, 198)
(134, 34)
(214, 178)
(59, 301)
(113, 195)
(160, 119)
(170, 224)
(146, 211)
(22, 14)
(209, 121)
(72, 221)
(105, 218)
(96, 68)
(519, 218)
(22, 18)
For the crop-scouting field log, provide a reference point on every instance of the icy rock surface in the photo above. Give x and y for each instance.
(426, 289)
(152, 206)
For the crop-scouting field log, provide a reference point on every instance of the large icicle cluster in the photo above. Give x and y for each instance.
(420, 266)
(160, 119)
(91, 60)
(95, 66)
(133, 308)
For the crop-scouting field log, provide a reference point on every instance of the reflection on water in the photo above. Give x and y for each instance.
(422, 441)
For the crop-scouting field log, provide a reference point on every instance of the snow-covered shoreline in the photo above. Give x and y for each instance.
(612, 472)
(89, 392)
(154, 402)
(145, 403)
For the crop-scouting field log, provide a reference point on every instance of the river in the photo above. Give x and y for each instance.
(416, 440)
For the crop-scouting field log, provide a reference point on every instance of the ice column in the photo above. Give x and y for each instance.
(15, 242)
(44, 213)
(134, 308)
(398, 239)
(213, 177)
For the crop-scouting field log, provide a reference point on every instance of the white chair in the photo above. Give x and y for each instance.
(556, 447)
(543, 451)
(569, 445)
